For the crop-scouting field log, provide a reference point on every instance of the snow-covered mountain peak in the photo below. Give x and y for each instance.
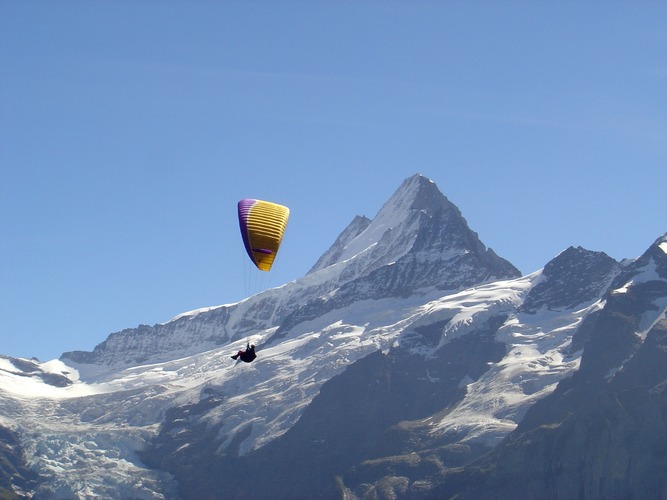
(658, 252)
(418, 240)
(662, 242)
(416, 194)
(650, 266)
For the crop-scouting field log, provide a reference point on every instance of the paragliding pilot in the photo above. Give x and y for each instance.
(248, 355)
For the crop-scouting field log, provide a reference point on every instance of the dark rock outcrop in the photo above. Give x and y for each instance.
(572, 278)
(15, 475)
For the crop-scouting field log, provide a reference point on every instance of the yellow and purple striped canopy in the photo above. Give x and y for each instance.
(262, 225)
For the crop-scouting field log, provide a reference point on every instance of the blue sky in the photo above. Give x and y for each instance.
(130, 129)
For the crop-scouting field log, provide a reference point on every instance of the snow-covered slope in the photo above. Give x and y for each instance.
(439, 339)
(76, 432)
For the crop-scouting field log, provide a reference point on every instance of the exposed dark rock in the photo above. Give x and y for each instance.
(590, 439)
(16, 477)
(331, 256)
(574, 277)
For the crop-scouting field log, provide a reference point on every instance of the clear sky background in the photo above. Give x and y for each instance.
(130, 129)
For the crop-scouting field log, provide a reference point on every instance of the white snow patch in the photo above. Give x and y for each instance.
(58, 367)
(650, 318)
(624, 288)
(7, 365)
(536, 361)
(476, 304)
(196, 312)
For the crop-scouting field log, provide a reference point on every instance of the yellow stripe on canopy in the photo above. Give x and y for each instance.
(263, 223)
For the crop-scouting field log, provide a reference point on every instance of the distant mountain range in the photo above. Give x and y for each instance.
(410, 362)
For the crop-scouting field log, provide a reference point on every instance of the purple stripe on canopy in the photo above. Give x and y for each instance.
(244, 207)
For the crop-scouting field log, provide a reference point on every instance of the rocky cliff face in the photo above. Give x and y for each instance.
(358, 225)
(589, 439)
(574, 277)
(16, 477)
(603, 432)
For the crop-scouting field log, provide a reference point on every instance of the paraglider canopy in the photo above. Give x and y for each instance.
(262, 225)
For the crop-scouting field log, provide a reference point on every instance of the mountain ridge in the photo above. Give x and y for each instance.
(370, 259)
(410, 362)
(602, 432)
